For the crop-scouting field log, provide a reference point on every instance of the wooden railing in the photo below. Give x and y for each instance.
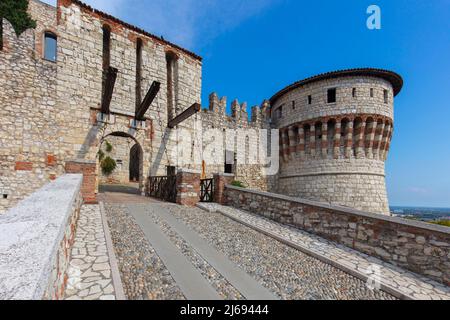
(164, 188)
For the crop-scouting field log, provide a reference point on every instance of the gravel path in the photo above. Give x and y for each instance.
(289, 273)
(222, 286)
(143, 274)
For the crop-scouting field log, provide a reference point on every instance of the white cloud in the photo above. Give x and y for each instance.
(185, 22)
(189, 21)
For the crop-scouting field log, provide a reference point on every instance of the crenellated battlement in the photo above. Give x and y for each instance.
(239, 115)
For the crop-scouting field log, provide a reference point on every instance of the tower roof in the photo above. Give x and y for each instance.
(395, 79)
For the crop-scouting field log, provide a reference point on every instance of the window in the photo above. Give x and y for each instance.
(1, 34)
(106, 47)
(371, 92)
(50, 42)
(280, 112)
(293, 105)
(229, 161)
(386, 96)
(138, 72)
(332, 95)
(309, 99)
(354, 93)
(171, 69)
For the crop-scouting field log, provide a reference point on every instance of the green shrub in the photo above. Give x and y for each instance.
(238, 184)
(101, 155)
(445, 223)
(108, 166)
(15, 11)
(109, 146)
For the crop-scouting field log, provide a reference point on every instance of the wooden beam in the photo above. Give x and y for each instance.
(149, 97)
(108, 89)
(196, 107)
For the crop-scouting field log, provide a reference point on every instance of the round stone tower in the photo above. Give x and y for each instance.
(335, 133)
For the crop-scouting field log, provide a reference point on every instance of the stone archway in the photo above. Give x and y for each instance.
(128, 154)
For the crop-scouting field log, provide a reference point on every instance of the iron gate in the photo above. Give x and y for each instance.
(207, 190)
(164, 188)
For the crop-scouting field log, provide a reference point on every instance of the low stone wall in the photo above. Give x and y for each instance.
(419, 247)
(36, 238)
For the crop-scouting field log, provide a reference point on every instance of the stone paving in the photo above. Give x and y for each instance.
(397, 281)
(90, 272)
(286, 272)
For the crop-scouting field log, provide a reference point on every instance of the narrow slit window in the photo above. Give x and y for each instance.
(50, 46)
(332, 95)
(386, 96)
(310, 99)
(138, 72)
(106, 47)
(171, 70)
(1, 34)
(354, 93)
(293, 105)
(280, 112)
(371, 92)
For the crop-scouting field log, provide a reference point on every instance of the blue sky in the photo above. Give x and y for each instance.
(251, 49)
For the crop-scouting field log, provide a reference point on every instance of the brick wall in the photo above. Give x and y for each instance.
(419, 247)
(89, 185)
(188, 188)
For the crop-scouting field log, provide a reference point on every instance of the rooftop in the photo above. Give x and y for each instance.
(394, 78)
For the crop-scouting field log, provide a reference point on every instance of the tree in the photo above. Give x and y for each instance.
(16, 12)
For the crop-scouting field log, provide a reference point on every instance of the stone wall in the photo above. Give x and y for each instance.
(241, 138)
(358, 184)
(419, 247)
(36, 238)
(80, 64)
(29, 142)
(345, 103)
(49, 110)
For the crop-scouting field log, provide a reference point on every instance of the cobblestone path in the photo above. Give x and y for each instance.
(90, 272)
(402, 282)
(284, 271)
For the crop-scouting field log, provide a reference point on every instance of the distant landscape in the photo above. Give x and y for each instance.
(425, 214)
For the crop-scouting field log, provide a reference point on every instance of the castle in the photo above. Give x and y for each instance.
(335, 128)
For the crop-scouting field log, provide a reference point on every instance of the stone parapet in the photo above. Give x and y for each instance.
(416, 246)
(36, 238)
